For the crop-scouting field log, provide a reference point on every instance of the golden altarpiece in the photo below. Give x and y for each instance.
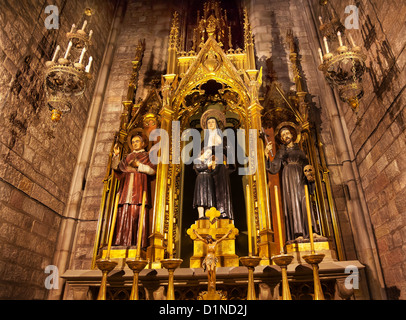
(206, 70)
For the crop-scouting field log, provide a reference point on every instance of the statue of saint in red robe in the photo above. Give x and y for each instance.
(134, 173)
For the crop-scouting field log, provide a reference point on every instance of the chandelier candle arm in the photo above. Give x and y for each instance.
(56, 52)
(89, 64)
(326, 44)
(340, 40)
(84, 25)
(321, 55)
(67, 50)
(351, 40)
(82, 54)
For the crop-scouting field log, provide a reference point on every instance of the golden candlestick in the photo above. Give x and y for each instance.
(106, 265)
(250, 261)
(248, 196)
(314, 258)
(278, 216)
(309, 219)
(113, 225)
(141, 225)
(282, 260)
(170, 226)
(171, 263)
(138, 264)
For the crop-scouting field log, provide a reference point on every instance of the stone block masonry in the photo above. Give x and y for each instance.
(377, 133)
(37, 158)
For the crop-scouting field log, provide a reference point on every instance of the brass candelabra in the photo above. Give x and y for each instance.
(66, 77)
(282, 260)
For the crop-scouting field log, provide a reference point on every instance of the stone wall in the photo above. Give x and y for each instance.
(37, 158)
(378, 133)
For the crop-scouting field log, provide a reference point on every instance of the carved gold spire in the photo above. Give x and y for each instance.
(173, 44)
(213, 23)
(248, 42)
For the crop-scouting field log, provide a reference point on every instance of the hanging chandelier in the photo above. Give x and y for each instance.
(67, 74)
(342, 62)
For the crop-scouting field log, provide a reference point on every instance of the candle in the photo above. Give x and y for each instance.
(278, 216)
(321, 21)
(84, 25)
(56, 52)
(89, 64)
(321, 55)
(351, 39)
(73, 27)
(170, 226)
(309, 219)
(326, 44)
(339, 38)
(141, 225)
(113, 225)
(249, 220)
(90, 34)
(67, 50)
(82, 54)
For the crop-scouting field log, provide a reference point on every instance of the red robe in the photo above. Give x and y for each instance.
(132, 186)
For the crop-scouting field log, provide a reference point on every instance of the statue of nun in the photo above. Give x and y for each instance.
(219, 164)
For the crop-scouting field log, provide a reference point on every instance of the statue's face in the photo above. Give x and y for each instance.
(211, 124)
(137, 143)
(286, 136)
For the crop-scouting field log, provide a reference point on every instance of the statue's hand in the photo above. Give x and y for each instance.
(134, 163)
(268, 149)
(116, 150)
(211, 165)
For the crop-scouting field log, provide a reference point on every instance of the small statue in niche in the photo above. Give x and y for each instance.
(292, 161)
(133, 172)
